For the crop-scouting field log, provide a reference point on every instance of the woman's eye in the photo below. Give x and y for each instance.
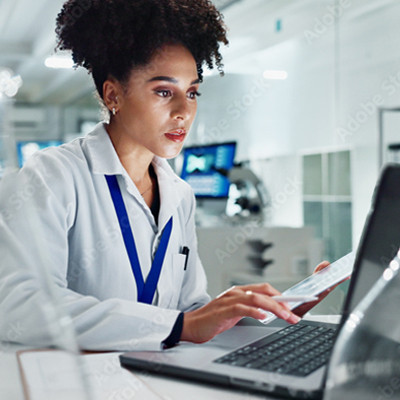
(193, 95)
(163, 93)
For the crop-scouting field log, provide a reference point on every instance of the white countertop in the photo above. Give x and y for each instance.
(168, 388)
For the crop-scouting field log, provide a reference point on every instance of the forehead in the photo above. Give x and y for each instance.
(174, 61)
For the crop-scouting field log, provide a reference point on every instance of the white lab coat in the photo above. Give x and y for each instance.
(59, 216)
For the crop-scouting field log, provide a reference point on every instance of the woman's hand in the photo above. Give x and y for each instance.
(304, 308)
(229, 307)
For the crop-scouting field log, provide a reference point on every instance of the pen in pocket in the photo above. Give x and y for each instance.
(185, 252)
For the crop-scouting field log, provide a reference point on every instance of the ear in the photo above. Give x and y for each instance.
(112, 94)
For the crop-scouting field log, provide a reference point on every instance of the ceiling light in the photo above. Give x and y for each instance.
(269, 74)
(9, 83)
(59, 62)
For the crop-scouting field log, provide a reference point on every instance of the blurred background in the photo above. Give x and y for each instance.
(310, 99)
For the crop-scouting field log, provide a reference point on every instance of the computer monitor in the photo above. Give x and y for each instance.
(206, 169)
(25, 149)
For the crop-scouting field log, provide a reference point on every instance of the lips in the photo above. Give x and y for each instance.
(176, 136)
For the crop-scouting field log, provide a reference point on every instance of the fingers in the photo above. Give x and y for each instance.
(321, 266)
(262, 288)
(248, 311)
(229, 307)
(260, 301)
(250, 300)
(245, 311)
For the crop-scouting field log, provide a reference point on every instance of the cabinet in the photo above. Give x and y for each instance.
(228, 257)
(327, 201)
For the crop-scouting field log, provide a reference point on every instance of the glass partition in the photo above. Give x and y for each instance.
(41, 324)
(311, 96)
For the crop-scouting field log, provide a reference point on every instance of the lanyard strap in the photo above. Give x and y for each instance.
(145, 290)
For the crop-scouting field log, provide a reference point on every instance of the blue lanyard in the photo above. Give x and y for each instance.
(145, 290)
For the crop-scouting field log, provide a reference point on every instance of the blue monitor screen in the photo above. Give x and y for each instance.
(206, 169)
(26, 149)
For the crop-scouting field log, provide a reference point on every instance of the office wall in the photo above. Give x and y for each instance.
(336, 81)
(369, 66)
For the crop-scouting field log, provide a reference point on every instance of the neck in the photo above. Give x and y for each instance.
(135, 159)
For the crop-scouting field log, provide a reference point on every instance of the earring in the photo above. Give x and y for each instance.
(114, 111)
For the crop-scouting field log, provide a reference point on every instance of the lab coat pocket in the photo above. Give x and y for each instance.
(178, 271)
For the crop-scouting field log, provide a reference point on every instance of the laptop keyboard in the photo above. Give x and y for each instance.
(295, 350)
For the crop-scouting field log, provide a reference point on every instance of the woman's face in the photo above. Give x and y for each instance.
(157, 107)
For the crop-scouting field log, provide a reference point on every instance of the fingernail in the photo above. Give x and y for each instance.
(296, 318)
(290, 317)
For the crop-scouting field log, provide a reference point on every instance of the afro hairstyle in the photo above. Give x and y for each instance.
(111, 37)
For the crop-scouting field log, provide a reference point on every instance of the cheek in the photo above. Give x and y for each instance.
(147, 114)
(194, 112)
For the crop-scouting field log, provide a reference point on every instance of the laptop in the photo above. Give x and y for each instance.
(251, 356)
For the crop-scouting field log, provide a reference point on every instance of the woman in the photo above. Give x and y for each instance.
(118, 223)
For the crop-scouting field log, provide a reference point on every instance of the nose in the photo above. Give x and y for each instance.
(182, 109)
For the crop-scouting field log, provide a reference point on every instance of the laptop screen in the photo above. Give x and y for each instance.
(380, 241)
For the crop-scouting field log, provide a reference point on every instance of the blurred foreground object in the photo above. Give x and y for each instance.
(366, 361)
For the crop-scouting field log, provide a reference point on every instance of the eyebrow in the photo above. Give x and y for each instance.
(169, 79)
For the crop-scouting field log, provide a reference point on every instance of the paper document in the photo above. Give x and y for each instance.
(317, 283)
(50, 375)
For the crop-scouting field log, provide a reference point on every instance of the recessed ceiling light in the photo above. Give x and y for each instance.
(269, 74)
(59, 62)
(9, 82)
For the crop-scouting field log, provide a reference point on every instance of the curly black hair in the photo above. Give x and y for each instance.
(111, 37)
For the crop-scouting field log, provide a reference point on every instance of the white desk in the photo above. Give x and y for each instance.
(168, 388)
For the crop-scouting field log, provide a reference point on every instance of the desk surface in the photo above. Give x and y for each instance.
(166, 387)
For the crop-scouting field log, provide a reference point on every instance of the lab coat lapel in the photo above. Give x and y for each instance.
(170, 198)
(169, 193)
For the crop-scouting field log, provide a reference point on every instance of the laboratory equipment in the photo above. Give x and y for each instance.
(206, 169)
(248, 197)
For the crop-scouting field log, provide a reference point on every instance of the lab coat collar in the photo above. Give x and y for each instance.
(171, 190)
(104, 160)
